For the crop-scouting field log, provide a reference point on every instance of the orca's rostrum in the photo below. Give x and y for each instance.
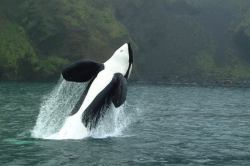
(107, 85)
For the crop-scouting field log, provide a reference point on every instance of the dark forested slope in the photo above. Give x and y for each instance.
(174, 40)
(54, 33)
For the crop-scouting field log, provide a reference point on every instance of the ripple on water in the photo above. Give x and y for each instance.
(170, 126)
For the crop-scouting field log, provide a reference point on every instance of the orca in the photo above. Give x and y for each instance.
(107, 85)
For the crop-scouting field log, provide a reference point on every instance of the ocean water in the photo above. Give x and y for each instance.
(159, 125)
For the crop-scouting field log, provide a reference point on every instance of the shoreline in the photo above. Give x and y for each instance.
(220, 83)
(236, 84)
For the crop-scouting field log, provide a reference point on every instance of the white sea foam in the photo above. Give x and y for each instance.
(73, 128)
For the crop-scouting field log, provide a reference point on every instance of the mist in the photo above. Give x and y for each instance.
(189, 41)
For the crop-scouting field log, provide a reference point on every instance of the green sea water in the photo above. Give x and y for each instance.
(169, 125)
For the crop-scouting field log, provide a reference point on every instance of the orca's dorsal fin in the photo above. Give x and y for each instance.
(82, 71)
(119, 90)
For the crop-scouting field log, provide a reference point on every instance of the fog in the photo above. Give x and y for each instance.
(188, 40)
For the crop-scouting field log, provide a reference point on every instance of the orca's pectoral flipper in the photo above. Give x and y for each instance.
(115, 91)
(119, 90)
(81, 71)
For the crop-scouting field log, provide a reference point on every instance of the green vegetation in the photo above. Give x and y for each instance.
(72, 29)
(46, 35)
(16, 52)
(182, 40)
(18, 60)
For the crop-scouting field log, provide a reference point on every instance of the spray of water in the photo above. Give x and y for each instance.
(56, 107)
(112, 124)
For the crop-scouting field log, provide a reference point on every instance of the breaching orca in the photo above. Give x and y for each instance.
(107, 84)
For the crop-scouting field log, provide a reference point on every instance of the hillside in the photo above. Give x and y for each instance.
(174, 40)
(54, 33)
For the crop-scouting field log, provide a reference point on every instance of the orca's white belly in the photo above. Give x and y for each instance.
(100, 82)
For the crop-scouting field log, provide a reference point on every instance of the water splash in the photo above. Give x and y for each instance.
(55, 107)
(54, 122)
(73, 128)
(112, 124)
